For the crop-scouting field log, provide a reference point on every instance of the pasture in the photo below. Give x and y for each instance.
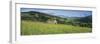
(40, 28)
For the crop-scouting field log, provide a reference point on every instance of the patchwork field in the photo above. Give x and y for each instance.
(40, 28)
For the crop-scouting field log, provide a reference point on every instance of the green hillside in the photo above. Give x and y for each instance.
(37, 23)
(37, 28)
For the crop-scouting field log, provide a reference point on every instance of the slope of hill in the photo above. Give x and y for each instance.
(43, 17)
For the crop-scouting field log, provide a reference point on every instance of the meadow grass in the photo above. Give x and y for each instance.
(40, 28)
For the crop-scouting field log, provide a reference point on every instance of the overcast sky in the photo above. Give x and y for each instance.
(58, 12)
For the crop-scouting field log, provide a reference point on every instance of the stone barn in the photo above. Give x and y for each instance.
(52, 21)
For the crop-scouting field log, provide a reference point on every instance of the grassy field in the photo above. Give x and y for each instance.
(40, 28)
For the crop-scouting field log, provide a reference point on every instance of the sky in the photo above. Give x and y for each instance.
(60, 12)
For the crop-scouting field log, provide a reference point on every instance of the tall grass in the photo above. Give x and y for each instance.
(37, 28)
